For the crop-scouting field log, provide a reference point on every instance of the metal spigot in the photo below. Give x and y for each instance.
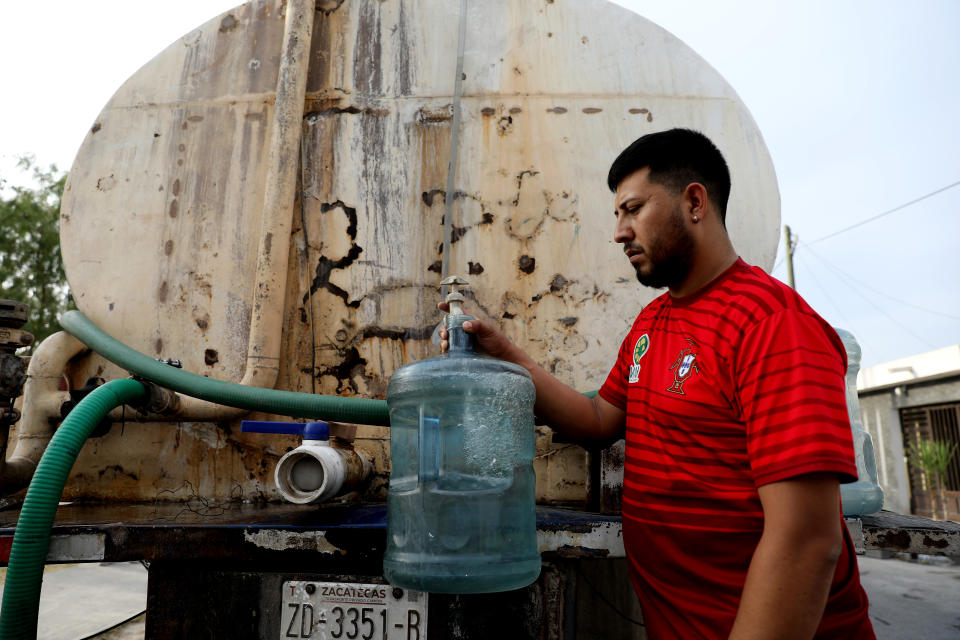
(454, 298)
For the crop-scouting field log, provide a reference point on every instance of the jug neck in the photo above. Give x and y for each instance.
(458, 340)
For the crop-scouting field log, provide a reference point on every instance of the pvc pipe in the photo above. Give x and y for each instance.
(42, 398)
(31, 540)
(316, 471)
(263, 349)
(266, 319)
(283, 403)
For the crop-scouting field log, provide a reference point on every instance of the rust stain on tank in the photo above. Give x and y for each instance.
(641, 112)
(175, 188)
(174, 210)
(520, 176)
(229, 23)
(168, 247)
(325, 266)
(326, 7)
(428, 196)
(326, 107)
(559, 283)
(162, 293)
(367, 63)
(427, 115)
(106, 183)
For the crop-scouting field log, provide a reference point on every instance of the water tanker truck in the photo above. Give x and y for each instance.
(255, 228)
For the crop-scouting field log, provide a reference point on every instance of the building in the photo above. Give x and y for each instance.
(907, 400)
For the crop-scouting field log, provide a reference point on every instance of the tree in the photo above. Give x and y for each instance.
(933, 457)
(31, 269)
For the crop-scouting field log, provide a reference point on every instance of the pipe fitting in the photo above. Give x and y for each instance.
(42, 398)
(159, 401)
(316, 472)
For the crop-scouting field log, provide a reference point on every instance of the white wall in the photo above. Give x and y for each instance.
(905, 369)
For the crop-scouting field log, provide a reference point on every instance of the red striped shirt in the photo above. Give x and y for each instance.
(738, 385)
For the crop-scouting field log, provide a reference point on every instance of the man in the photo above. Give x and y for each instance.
(729, 390)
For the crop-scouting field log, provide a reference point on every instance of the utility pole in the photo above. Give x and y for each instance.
(790, 243)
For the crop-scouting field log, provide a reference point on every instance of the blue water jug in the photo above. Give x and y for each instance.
(460, 506)
(865, 495)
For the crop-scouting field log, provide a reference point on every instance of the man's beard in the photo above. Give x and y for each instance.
(670, 254)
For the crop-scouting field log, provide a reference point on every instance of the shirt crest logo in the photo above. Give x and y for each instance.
(639, 350)
(685, 366)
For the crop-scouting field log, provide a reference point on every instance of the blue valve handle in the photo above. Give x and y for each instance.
(309, 431)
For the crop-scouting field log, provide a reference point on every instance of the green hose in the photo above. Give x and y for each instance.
(283, 403)
(21, 590)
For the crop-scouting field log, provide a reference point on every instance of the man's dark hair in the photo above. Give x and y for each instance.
(676, 158)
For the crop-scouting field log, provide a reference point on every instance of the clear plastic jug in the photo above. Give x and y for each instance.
(460, 506)
(865, 495)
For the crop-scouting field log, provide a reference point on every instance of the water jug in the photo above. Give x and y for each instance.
(460, 506)
(865, 495)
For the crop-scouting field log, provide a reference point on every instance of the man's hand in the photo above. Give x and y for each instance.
(793, 566)
(490, 340)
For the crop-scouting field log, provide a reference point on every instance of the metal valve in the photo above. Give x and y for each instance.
(315, 471)
(454, 298)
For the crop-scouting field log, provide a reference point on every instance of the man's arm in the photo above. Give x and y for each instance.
(563, 409)
(793, 566)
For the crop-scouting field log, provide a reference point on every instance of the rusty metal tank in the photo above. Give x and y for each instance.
(161, 225)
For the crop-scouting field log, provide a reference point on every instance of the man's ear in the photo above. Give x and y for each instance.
(695, 196)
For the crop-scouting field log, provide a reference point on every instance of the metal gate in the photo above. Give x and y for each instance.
(940, 423)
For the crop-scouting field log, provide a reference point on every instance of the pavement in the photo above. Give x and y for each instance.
(912, 600)
(81, 601)
(908, 600)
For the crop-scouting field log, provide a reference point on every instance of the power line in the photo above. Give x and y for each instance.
(823, 290)
(872, 304)
(844, 274)
(886, 213)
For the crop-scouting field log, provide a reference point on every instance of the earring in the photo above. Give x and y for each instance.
(696, 218)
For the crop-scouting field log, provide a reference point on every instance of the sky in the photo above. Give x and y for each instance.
(858, 102)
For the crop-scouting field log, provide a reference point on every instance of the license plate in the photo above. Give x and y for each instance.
(335, 610)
